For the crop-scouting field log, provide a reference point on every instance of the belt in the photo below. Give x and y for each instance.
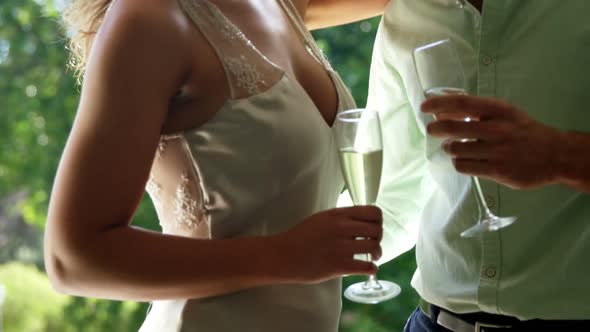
(484, 322)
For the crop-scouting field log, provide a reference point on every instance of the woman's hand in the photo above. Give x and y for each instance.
(322, 247)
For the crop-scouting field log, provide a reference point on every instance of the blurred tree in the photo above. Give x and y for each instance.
(31, 305)
(38, 100)
(19, 241)
(349, 49)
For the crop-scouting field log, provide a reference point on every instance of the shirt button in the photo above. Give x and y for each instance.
(490, 272)
(487, 60)
(490, 202)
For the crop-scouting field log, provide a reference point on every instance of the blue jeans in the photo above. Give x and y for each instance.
(419, 322)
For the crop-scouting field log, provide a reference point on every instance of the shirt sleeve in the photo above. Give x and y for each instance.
(405, 184)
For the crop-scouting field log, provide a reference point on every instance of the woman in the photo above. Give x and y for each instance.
(220, 111)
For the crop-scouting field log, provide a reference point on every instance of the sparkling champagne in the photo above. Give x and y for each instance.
(362, 173)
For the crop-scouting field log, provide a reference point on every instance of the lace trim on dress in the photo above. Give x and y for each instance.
(246, 75)
(161, 148)
(308, 40)
(154, 189)
(230, 30)
(185, 206)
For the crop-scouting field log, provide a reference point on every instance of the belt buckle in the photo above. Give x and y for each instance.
(480, 327)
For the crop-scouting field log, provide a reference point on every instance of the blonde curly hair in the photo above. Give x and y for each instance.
(82, 19)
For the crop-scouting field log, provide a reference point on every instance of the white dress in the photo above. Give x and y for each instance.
(263, 163)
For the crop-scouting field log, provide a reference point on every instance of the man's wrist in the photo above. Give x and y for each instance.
(572, 160)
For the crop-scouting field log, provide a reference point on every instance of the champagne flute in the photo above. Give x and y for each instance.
(440, 73)
(358, 137)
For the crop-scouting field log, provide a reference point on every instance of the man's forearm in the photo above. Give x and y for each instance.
(328, 13)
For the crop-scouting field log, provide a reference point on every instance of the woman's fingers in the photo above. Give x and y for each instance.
(356, 267)
(353, 229)
(362, 213)
(364, 246)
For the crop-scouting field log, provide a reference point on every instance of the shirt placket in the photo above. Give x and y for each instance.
(490, 269)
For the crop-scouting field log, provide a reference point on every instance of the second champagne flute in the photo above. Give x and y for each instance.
(358, 136)
(440, 73)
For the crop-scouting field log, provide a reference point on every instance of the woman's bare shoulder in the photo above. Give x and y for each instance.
(155, 18)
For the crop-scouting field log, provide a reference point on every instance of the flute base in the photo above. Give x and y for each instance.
(489, 224)
(372, 291)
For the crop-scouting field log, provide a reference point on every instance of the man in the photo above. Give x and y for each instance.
(527, 65)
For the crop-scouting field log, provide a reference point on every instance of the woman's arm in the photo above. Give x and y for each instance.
(327, 13)
(139, 59)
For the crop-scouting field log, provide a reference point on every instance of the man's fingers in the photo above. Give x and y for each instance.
(456, 116)
(474, 167)
(490, 131)
(470, 149)
(476, 107)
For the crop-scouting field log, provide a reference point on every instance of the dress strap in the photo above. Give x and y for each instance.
(247, 70)
(308, 39)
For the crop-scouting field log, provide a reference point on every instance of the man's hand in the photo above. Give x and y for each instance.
(503, 143)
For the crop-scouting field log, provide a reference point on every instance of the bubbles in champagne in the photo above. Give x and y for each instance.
(362, 173)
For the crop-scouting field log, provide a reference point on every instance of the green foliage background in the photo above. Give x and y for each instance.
(38, 99)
